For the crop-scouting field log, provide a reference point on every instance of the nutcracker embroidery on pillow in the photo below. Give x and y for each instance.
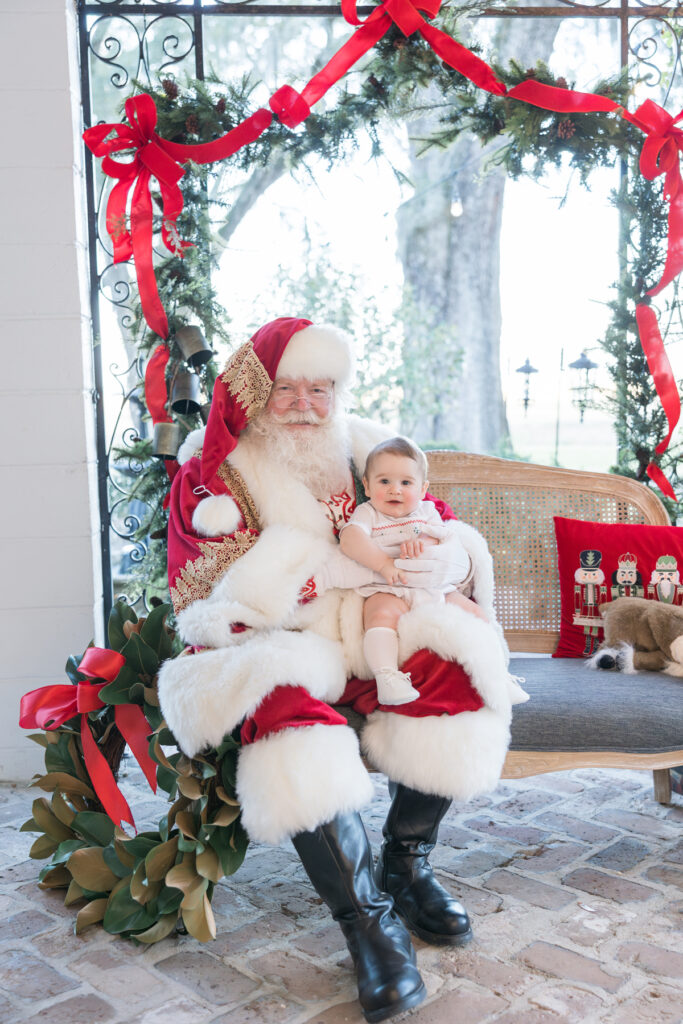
(626, 580)
(589, 593)
(665, 582)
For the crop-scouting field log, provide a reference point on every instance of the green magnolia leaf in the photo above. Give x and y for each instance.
(88, 867)
(154, 715)
(71, 669)
(91, 914)
(120, 613)
(61, 809)
(231, 846)
(94, 826)
(161, 859)
(141, 844)
(57, 756)
(65, 849)
(154, 632)
(113, 863)
(38, 737)
(168, 781)
(43, 847)
(54, 877)
(48, 822)
(169, 900)
(158, 931)
(118, 691)
(124, 914)
(140, 656)
(73, 894)
(229, 772)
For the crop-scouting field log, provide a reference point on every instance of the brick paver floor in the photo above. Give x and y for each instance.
(573, 881)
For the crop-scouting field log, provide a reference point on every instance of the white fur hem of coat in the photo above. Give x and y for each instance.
(458, 757)
(204, 696)
(298, 779)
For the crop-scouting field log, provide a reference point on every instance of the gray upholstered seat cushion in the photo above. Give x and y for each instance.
(575, 709)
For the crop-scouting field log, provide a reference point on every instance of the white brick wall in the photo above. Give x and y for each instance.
(50, 598)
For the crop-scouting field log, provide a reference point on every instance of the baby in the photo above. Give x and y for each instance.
(397, 522)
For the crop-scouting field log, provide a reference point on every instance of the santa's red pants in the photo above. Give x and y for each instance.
(445, 689)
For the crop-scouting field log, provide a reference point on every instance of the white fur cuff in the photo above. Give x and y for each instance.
(456, 756)
(298, 779)
(217, 516)
(204, 696)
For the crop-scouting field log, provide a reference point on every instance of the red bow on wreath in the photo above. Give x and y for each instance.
(48, 707)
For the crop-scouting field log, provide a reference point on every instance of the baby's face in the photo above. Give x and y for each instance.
(395, 485)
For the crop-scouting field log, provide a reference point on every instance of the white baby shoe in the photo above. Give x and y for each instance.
(394, 687)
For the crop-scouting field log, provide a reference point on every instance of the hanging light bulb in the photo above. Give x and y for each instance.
(527, 369)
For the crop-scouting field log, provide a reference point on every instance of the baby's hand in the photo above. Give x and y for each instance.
(391, 573)
(412, 548)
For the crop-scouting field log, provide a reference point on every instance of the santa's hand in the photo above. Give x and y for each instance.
(437, 566)
(340, 571)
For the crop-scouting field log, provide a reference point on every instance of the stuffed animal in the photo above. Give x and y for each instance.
(640, 634)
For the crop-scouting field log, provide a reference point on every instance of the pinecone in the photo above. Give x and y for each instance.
(561, 83)
(192, 124)
(530, 73)
(170, 88)
(220, 105)
(566, 128)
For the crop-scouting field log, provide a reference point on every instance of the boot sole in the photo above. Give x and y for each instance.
(437, 938)
(373, 1016)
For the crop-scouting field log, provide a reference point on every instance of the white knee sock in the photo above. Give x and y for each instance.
(380, 647)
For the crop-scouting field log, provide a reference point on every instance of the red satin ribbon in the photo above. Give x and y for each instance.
(50, 706)
(156, 392)
(154, 157)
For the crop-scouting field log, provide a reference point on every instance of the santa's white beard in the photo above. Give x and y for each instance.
(318, 457)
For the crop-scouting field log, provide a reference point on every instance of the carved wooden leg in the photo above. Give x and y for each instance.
(662, 782)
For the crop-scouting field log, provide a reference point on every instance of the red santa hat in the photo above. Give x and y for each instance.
(286, 347)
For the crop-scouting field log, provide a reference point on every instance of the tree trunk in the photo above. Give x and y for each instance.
(449, 244)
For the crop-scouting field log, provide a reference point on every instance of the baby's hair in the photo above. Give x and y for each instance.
(398, 446)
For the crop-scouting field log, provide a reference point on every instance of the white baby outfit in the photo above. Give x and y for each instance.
(389, 533)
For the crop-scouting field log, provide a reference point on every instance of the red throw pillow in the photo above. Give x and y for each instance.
(599, 562)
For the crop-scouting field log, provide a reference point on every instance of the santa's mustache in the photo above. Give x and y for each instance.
(309, 417)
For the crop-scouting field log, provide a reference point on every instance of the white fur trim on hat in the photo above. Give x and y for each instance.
(217, 516)
(300, 778)
(319, 352)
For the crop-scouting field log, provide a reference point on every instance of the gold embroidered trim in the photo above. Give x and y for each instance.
(198, 576)
(247, 380)
(238, 489)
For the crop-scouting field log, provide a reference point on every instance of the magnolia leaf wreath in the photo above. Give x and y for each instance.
(145, 885)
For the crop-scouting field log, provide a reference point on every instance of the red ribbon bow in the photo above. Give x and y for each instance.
(48, 707)
(407, 16)
(154, 157)
(151, 159)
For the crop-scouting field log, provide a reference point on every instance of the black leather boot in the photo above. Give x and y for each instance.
(338, 861)
(403, 870)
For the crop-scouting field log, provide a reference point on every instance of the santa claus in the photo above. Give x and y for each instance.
(264, 601)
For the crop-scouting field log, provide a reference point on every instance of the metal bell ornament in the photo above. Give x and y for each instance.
(186, 396)
(167, 440)
(192, 344)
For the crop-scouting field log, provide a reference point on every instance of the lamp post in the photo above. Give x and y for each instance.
(583, 365)
(527, 369)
